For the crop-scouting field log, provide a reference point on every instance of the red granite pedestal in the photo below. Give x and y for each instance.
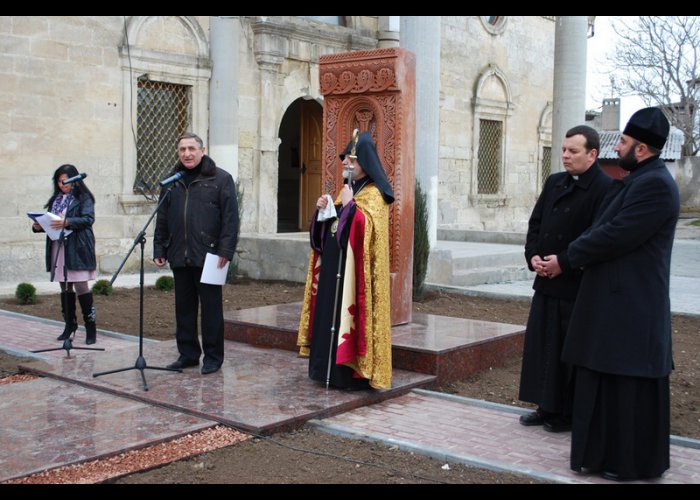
(450, 348)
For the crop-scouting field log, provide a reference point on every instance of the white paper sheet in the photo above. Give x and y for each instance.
(211, 274)
(44, 220)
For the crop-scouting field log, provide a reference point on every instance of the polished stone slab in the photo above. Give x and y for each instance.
(48, 423)
(257, 390)
(454, 349)
(450, 348)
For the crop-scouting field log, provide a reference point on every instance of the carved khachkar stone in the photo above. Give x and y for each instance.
(374, 91)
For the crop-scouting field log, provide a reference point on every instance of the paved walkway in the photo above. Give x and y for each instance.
(449, 428)
(684, 284)
(41, 416)
(483, 434)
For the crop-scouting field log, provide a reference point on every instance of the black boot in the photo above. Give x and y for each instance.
(68, 311)
(89, 316)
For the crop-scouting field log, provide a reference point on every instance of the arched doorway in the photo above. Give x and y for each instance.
(299, 172)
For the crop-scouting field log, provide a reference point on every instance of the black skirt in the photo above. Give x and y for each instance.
(620, 424)
(544, 379)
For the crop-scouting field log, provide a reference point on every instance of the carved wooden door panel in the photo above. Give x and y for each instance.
(311, 160)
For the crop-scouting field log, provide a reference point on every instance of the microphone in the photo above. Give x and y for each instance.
(78, 177)
(172, 179)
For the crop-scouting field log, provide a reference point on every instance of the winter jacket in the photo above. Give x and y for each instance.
(80, 244)
(197, 219)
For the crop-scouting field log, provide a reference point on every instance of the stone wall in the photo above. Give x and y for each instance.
(68, 88)
(509, 76)
(687, 176)
(62, 86)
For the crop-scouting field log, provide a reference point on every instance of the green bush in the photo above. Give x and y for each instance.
(421, 242)
(102, 287)
(26, 293)
(165, 283)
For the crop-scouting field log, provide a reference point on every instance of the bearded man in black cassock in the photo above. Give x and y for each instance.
(619, 337)
(345, 320)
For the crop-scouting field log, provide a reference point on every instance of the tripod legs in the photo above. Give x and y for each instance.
(141, 366)
(68, 345)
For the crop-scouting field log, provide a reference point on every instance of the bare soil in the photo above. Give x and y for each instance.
(309, 456)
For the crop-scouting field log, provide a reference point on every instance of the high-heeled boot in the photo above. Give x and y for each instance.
(89, 316)
(68, 310)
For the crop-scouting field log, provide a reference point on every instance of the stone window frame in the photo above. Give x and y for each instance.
(497, 27)
(168, 67)
(544, 140)
(496, 110)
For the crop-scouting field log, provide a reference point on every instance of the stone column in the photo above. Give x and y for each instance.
(389, 34)
(421, 35)
(270, 49)
(569, 106)
(223, 93)
(374, 91)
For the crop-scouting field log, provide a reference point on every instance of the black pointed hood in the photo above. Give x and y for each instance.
(368, 158)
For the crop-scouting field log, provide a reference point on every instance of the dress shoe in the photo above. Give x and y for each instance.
(207, 369)
(536, 417)
(557, 424)
(182, 363)
(612, 476)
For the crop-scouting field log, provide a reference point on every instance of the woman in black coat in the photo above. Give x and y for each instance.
(72, 262)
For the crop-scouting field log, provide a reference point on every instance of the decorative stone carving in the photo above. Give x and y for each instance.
(374, 91)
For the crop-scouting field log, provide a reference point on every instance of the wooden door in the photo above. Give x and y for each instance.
(310, 151)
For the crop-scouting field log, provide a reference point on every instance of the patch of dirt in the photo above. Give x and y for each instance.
(310, 456)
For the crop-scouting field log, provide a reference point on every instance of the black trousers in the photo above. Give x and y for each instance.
(189, 294)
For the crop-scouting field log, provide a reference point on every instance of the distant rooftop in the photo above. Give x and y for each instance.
(609, 138)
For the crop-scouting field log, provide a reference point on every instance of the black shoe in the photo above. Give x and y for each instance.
(536, 417)
(207, 369)
(557, 424)
(182, 363)
(611, 476)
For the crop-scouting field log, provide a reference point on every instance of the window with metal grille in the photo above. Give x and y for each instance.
(546, 163)
(163, 114)
(489, 158)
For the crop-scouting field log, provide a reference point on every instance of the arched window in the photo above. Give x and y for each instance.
(166, 72)
(492, 108)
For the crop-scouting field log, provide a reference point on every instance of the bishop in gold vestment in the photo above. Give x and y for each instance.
(345, 317)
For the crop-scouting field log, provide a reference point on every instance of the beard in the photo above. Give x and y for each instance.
(347, 173)
(629, 162)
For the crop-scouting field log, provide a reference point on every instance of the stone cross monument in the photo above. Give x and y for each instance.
(374, 91)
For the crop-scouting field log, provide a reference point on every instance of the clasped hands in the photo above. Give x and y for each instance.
(547, 266)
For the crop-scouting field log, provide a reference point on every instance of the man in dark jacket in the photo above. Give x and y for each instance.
(565, 208)
(199, 216)
(619, 337)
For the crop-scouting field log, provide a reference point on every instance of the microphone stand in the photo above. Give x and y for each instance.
(67, 343)
(140, 361)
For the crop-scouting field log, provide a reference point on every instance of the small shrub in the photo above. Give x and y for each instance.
(26, 293)
(102, 287)
(165, 283)
(421, 242)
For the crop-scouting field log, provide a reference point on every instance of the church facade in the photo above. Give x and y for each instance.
(110, 94)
